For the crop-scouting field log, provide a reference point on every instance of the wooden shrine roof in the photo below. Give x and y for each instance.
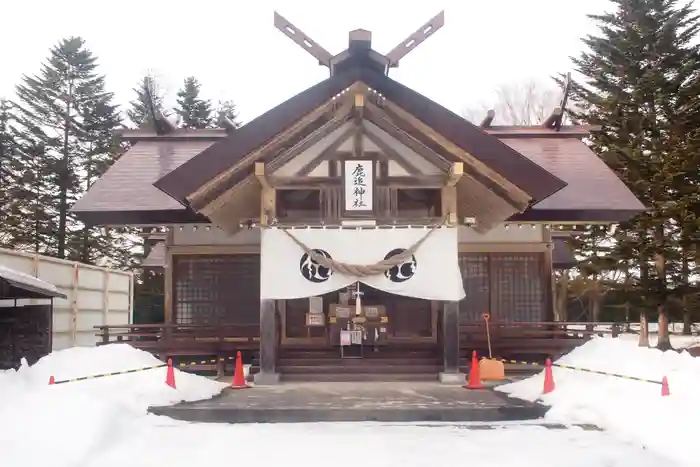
(126, 194)
(519, 170)
(593, 191)
(168, 175)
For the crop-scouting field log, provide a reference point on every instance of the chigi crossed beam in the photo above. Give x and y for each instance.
(360, 38)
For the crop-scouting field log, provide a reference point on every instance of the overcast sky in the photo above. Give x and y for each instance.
(236, 53)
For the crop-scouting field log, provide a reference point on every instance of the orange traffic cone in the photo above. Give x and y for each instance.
(665, 390)
(474, 374)
(170, 375)
(52, 380)
(238, 376)
(548, 377)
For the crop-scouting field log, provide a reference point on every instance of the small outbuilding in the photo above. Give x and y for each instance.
(26, 317)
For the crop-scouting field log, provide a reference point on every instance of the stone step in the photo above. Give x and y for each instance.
(360, 400)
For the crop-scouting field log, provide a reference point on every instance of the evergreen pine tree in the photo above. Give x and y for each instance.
(38, 221)
(638, 76)
(140, 114)
(101, 149)
(10, 179)
(195, 112)
(67, 122)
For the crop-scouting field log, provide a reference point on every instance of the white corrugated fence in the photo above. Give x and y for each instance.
(95, 295)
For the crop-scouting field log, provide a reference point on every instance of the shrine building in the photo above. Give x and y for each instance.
(359, 230)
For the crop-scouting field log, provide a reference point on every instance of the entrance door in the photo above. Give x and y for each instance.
(410, 319)
(294, 328)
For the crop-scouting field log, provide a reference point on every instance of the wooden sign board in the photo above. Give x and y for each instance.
(344, 298)
(341, 311)
(315, 319)
(358, 181)
(374, 312)
(316, 305)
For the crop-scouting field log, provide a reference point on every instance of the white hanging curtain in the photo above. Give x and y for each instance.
(432, 273)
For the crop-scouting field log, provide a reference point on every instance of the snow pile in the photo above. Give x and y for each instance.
(134, 391)
(630, 409)
(73, 419)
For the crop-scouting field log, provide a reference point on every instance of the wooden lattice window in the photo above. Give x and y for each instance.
(518, 280)
(213, 289)
(475, 275)
(511, 286)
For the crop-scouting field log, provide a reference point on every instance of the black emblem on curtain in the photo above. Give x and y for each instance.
(311, 270)
(401, 272)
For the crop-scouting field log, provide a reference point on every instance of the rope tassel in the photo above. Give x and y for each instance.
(358, 300)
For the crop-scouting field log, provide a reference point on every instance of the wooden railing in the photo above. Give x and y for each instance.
(544, 329)
(172, 340)
(534, 340)
(157, 332)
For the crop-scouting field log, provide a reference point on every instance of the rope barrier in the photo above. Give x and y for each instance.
(181, 365)
(576, 368)
(114, 373)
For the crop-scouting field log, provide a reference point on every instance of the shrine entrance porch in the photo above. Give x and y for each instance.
(404, 402)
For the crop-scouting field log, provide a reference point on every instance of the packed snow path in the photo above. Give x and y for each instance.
(162, 442)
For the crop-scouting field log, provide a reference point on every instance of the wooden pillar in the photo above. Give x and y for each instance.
(268, 196)
(268, 313)
(448, 194)
(169, 283)
(168, 287)
(561, 297)
(450, 343)
(450, 310)
(268, 344)
(548, 279)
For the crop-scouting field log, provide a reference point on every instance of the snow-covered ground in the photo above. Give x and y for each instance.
(631, 410)
(103, 422)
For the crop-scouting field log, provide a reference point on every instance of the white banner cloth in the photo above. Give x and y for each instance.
(432, 274)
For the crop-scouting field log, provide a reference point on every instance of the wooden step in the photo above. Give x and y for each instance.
(359, 361)
(368, 354)
(373, 369)
(510, 368)
(357, 377)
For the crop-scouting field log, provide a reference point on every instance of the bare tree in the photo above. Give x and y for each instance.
(526, 103)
